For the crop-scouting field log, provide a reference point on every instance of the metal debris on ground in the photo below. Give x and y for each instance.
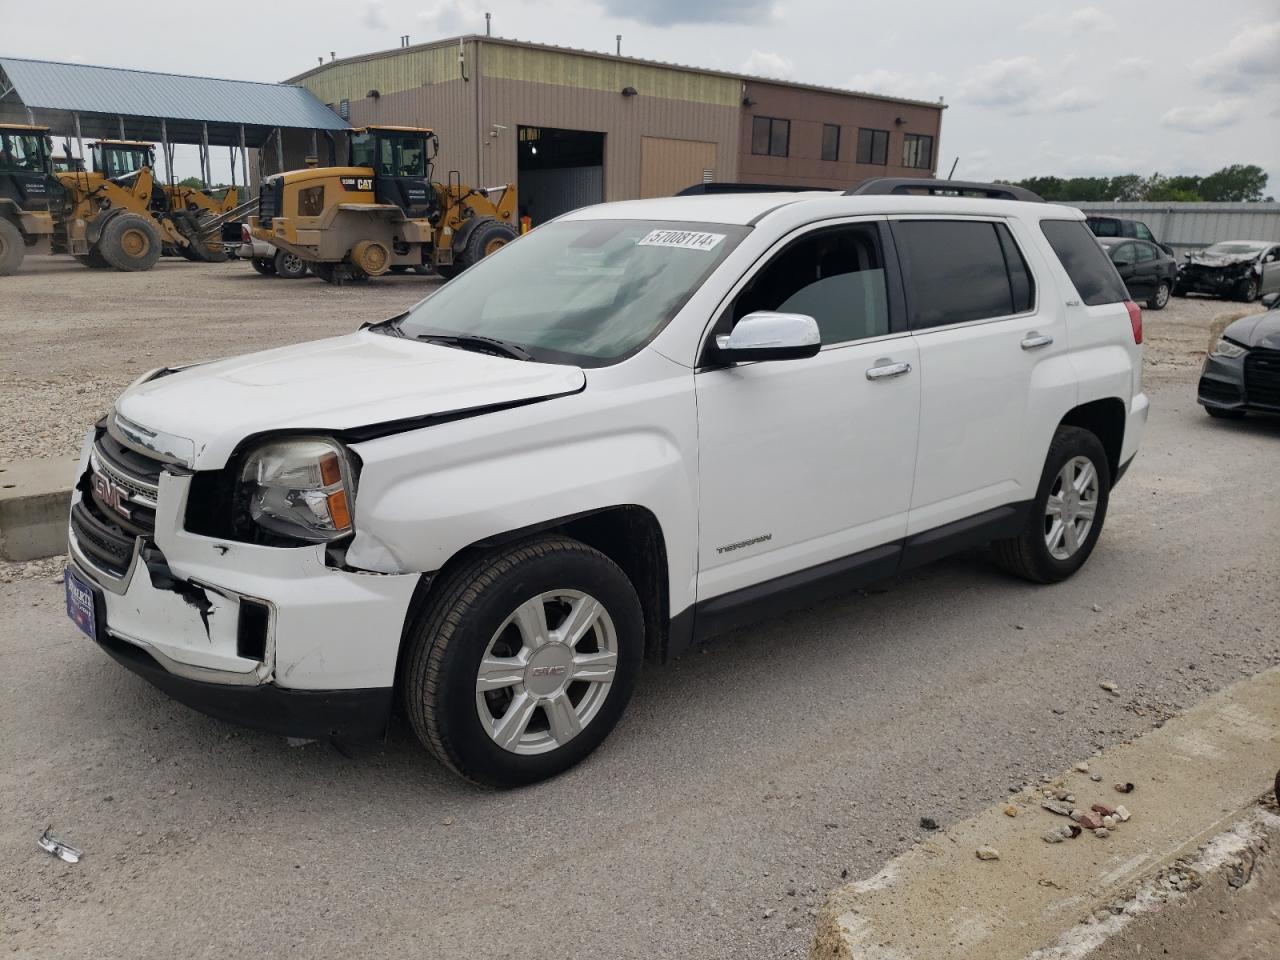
(51, 844)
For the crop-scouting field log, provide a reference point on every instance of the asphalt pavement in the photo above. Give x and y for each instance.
(744, 781)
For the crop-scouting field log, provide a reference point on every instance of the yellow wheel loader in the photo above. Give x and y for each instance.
(118, 215)
(29, 194)
(383, 212)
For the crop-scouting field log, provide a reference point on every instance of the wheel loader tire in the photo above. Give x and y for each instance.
(487, 238)
(93, 260)
(12, 249)
(130, 242)
(339, 273)
(370, 257)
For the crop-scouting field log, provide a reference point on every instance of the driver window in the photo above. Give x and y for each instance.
(1142, 232)
(835, 275)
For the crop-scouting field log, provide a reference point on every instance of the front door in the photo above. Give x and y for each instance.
(804, 462)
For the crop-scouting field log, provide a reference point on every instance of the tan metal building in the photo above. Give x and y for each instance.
(572, 127)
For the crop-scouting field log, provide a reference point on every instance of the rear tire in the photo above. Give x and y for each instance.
(12, 248)
(1160, 299)
(289, 266)
(130, 243)
(587, 618)
(1029, 555)
(264, 266)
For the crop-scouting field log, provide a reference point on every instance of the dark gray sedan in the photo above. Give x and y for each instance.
(1242, 372)
(1148, 272)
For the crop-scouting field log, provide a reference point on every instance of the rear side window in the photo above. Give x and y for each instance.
(961, 270)
(1091, 272)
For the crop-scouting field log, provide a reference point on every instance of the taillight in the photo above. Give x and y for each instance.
(1135, 319)
(245, 235)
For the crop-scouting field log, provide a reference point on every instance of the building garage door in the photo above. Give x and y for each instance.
(668, 166)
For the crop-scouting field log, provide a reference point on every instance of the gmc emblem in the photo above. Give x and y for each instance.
(112, 495)
(549, 671)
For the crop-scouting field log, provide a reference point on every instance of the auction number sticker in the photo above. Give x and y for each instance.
(682, 239)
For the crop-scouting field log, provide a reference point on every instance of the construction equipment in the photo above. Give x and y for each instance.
(383, 212)
(117, 215)
(28, 194)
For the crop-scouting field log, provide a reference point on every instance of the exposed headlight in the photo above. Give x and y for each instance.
(300, 488)
(1227, 350)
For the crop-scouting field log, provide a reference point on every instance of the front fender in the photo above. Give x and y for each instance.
(427, 494)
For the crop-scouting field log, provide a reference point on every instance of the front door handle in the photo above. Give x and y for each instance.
(888, 370)
(1035, 340)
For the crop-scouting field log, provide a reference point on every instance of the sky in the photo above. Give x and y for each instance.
(1064, 88)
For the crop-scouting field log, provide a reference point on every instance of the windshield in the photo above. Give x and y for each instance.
(1229, 248)
(587, 292)
(113, 161)
(21, 152)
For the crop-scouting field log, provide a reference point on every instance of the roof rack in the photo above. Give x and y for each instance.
(884, 186)
(719, 186)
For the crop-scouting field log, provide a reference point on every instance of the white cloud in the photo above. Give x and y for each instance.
(1250, 58)
(1132, 66)
(372, 17)
(763, 63)
(1002, 83)
(447, 18)
(1072, 100)
(894, 83)
(1084, 20)
(1201, 119)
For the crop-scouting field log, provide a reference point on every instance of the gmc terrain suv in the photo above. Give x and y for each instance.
(642, 424)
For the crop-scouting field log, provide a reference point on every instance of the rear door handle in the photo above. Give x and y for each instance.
(888, 370)
(1035, 340)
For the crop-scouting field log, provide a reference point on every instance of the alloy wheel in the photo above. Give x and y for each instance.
(1162, 295)
(546, 672)
(1071, 507)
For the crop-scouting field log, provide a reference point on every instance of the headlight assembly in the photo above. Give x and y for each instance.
(1227, 350)
(300, 488)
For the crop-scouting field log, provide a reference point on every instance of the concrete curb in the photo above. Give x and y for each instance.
(35, 496)
(1194, 778)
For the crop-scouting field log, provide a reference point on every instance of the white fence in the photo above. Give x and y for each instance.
(1189, 226)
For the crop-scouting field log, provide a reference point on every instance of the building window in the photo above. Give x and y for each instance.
(873, 146)
(770, 137)
(344, 109)
(830, 141)
(917, 151)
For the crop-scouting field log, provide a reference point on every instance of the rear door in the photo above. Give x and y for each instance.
(1148, 265)
(990, 337)
(1270, 271)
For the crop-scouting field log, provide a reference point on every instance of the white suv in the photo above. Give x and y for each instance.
(640, 425)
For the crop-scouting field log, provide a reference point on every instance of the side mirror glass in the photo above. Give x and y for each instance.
(765, 335)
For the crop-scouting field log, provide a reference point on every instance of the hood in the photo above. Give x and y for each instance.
(1219, 260)
(1256, 330)
(342, 383)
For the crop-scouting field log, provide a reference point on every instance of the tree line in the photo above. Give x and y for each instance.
(1238, 182)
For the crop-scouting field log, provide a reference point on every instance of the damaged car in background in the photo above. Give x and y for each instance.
(1242, 371)
(1236, 269)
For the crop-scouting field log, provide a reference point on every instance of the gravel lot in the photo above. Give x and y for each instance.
(75, 337)
(745, 781)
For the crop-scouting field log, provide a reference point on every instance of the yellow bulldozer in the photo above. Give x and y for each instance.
(383, 212)
(29, 194)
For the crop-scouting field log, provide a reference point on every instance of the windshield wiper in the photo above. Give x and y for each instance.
(470, 341)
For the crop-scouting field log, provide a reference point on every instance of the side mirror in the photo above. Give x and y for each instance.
(1121, 264)
(764, 335)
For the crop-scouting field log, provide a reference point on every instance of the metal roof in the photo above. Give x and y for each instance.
(79, 88)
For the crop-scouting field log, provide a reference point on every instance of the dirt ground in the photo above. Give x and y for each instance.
(74, 338)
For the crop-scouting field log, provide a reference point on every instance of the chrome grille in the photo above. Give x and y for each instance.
(116, 513)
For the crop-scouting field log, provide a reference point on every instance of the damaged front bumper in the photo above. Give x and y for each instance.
(1223, 280)
(268, 637)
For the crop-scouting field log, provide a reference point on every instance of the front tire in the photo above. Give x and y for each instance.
(1247, 290)
(130, 242)
(1066, 516)
(524, 662)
